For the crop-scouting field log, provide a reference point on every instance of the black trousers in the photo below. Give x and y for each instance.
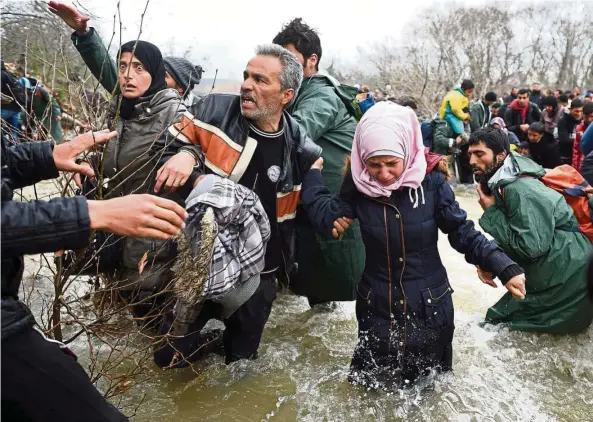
(240, 339)
(41, 382)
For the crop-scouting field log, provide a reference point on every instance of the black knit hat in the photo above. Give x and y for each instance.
(184, 72)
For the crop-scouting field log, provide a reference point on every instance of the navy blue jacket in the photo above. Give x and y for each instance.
(401, 241)
(33, 227)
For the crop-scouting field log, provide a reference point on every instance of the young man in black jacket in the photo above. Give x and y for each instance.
(567, 130)
(520, 114)
(542, 146)
(41, 380)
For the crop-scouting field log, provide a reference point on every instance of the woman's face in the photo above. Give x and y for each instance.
(134, 79)
(385, 169)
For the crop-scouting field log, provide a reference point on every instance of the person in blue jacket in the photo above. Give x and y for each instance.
(404, 306)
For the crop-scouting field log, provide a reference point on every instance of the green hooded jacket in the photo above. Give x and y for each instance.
(536, 228)
(328, 269)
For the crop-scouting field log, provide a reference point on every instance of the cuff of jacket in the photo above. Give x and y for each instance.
(510, 272)
(48, 169)
(500, 265)
(76, 37)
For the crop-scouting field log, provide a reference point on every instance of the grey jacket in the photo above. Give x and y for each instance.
(130, 167)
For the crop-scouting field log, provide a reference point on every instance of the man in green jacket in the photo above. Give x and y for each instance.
(328, 269)
(535, 227)
(480, 112)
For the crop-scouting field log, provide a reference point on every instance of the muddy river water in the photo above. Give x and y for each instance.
(304, 357)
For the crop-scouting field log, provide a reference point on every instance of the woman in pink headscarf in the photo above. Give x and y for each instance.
(399, 193)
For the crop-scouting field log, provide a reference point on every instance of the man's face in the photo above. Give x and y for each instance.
(576, 113)
(514, 91)
(535, 87)
(494, 110)
(533, 136)
(524, 152)
(468, 92)
(262, 97)
(522, 100)
(482, 159)
(309, 65)
(588, 119)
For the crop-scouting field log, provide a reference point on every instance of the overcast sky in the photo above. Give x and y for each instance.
(226, 32)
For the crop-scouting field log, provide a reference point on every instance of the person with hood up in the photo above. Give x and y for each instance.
(520, 114)
(455, 107)
(498, 123)
(328, 269)
(141, 115)
(399, 193)
(536, 227)
(180, 73)
(551, 114)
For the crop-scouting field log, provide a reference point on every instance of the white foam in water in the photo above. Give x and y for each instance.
(301, 373)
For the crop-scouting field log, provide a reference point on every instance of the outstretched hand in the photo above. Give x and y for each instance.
(65, 154)
(138, 216)
(73, 18)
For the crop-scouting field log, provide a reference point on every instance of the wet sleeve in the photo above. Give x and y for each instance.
(96, 57)
(465, 239)
(322, 207)
(525, 228)
(44, 226)
(28, 163)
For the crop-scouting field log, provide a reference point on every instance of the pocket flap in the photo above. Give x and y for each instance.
(434, 296)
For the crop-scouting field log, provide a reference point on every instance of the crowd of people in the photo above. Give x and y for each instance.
(301, 182)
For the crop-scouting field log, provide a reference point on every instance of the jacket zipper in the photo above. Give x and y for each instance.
(403, 259)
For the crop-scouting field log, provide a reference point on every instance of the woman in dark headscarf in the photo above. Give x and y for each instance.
(141, 115)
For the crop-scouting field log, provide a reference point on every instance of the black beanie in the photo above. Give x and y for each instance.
(184, 72)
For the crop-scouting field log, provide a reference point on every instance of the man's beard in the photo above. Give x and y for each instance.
(490, 171)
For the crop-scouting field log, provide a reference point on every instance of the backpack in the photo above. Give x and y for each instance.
(362, 103)
(570, 183)
(427, 128)
(12, 88)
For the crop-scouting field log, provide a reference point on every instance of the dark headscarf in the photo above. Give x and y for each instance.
(150, 56)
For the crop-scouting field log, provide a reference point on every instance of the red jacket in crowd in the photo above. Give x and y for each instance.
(577, 154)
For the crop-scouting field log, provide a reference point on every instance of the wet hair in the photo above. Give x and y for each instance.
(562, 98)
(576, 104)
(410, 103)
(305, 39)
(537, 127)
(495, 139)
(490, 96)
(523, 91)
(291, 76)
(588, 108)
(467, 84)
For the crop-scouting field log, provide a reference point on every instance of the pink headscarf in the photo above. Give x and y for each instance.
(390, 129)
